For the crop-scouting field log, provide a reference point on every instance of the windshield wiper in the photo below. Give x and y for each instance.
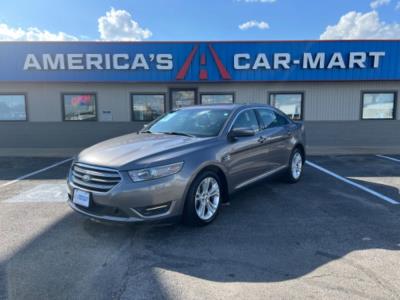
(145, 131)
(178, 133)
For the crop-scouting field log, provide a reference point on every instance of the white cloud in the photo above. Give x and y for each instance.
(254, 24)
(356, 25)
(118, 25)
(8, 33)
(376, 3)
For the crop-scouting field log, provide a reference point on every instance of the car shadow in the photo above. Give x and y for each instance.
(270, 232)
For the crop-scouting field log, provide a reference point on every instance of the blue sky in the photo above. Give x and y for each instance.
(198, 20)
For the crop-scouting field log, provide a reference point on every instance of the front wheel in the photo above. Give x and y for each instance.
(295, 168)
(203, 199)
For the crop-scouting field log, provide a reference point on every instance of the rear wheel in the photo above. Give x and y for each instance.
(295, 168)
(203, 199)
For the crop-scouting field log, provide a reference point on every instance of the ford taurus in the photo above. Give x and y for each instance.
(185, 164)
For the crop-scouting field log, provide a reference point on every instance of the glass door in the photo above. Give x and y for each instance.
(183, 97)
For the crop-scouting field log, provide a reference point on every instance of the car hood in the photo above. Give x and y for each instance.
(123, 150)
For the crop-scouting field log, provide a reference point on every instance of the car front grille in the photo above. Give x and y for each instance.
(93, 178)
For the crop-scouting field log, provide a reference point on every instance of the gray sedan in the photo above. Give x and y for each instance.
(184, 164)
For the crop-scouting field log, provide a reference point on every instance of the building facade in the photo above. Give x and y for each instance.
(58, 97)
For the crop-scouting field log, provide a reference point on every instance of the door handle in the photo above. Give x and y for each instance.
(261, 139)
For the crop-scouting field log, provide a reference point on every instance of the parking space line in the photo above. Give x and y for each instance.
(388, 157)
(35, 172)
(344, 179)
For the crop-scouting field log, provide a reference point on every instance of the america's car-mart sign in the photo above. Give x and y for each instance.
(200, 61)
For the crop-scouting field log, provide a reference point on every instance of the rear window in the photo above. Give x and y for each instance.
(247, 119)
(271, 118)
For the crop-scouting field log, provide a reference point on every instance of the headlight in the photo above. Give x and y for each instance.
(155, 172)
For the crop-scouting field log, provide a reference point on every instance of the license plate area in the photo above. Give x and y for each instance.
(81, 198)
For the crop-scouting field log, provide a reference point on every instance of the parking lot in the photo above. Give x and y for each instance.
(335, 234)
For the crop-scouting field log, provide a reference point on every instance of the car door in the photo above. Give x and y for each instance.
(275, 130)
(245, 153)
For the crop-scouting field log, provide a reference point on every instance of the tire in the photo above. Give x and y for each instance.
(296, 165)
(203, 196)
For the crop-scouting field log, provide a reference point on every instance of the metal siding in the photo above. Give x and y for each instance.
(322, 136)
(332, 113)
(327, 101)
(338, 101)
(361, 134)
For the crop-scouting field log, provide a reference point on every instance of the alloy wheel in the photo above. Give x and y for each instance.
(297, 165)
(207, 198)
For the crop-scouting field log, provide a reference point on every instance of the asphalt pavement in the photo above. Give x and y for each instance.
(321, 238)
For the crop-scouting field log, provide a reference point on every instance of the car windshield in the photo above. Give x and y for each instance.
(191, 122)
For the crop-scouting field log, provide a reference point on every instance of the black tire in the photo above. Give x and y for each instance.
(288, 175)
(190, 215)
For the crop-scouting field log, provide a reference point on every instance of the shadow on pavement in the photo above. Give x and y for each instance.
(271, 232)
(14, 167)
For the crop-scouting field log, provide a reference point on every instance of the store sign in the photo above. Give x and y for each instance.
(107, 61)
(363, 60)
(202, 61)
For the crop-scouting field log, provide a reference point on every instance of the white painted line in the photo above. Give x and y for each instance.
(344, 179)
(46, 192)
(388, 157)
(35, 172)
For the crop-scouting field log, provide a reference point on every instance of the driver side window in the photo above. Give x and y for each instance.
(246, 119)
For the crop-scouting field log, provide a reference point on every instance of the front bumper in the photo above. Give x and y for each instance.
(135, 202)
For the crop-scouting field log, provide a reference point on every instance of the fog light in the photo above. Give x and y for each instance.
(154, 210)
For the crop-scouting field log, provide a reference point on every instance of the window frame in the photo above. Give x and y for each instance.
(131, 95)
(175, 89)
(217, 94)
(302, 93)
(394, 110)
(25, 102)
(79, 94)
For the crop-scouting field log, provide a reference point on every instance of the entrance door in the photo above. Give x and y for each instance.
(182, 97)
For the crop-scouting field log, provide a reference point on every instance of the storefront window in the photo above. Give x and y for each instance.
(12, 108)
(147, 107)
(79, 107)
(216, 99)
(290, 103)
(378, 105)
(182, 98)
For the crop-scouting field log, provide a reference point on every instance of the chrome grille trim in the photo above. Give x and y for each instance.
(113, 181)
(94, 173)
(101, 180)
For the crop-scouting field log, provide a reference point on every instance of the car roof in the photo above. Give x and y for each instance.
(227, 106)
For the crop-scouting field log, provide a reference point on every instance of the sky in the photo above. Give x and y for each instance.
(177, 20)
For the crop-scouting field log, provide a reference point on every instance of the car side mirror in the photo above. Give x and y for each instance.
(241, 132)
